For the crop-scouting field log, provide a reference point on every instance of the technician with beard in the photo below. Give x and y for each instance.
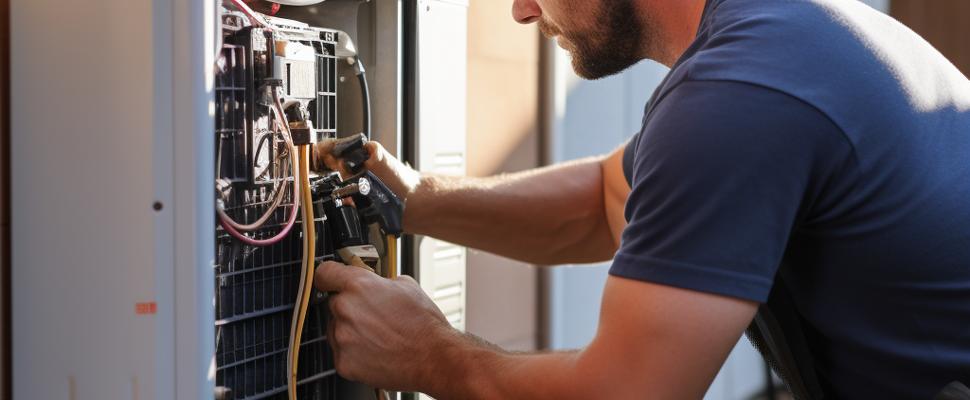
(817, 143)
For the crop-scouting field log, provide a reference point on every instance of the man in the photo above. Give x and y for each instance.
(815, 143)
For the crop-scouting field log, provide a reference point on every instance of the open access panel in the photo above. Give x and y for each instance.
(268, 77)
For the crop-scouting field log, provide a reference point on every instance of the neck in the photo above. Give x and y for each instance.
(674, 24)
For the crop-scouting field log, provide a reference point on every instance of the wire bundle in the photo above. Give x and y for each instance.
(236, 229)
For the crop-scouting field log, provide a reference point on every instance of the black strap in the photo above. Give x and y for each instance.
(777, 333)
(629, 151)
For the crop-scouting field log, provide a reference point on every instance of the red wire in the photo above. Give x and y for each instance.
(249, 13)
(242, 7)
(265, 242)
(296, 192)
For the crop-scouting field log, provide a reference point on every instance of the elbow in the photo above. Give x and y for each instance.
(588, 233)
(583, 239)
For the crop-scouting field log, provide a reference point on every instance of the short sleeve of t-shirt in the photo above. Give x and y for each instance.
(723, 172)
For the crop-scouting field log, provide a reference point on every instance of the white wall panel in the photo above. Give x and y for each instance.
(441, 116)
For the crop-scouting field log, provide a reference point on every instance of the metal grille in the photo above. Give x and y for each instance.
(256, 287)
(231, 113)
(326, 107)
(255, 292)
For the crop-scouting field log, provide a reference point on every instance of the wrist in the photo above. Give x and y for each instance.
(410, 180)
(419, 208)
(400, 177)
(461, 366)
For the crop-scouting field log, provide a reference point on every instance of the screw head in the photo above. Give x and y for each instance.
(363, 185)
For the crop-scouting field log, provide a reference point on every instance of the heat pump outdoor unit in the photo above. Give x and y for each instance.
(133, 122)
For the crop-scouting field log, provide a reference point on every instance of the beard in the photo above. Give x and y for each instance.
(615, 44)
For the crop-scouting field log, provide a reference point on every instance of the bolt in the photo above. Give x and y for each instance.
(363, 185)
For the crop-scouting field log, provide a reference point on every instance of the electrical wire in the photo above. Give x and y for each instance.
(278, 195)
(306, 274)
(223, 221)
(234, 228)
(365, 95)
(277, 198)
(263, 140)
(297, 2)
(276, 162)
(253, 17)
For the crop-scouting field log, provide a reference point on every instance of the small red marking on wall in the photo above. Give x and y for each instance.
(146, 308)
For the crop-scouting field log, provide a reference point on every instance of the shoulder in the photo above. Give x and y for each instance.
(793, 44)
(775, 42)
(737, 108)
(715, 128)
(816, 52)
(714, 156)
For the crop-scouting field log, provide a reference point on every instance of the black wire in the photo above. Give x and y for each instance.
(365, 95)
(219, 157)
(259, 146)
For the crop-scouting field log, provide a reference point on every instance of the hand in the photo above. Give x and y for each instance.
(384, 333)
(399, 177)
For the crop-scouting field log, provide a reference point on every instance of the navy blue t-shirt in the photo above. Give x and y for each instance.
(825, 144)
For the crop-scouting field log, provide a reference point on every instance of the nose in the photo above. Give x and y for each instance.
(526, 11)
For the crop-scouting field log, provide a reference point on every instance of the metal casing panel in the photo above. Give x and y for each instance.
(109, 103)
(82, 193)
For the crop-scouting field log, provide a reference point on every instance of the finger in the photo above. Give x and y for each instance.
(331, 326)
(324, 147)
(373, 153)
(320, 152)
(324, 160)
(332, 276)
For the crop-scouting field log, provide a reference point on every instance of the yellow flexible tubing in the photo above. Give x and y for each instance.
(391, 257)
(297, 172)
(306, 273)
(391, 273)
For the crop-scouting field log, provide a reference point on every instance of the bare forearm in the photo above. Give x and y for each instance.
(653, 340)
(471, 370)
(545, 216)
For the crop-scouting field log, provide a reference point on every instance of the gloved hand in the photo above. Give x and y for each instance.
(399, 177)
